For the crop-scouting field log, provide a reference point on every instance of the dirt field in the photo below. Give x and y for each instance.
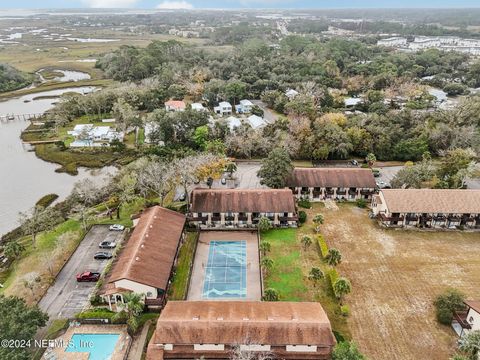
(395, 276)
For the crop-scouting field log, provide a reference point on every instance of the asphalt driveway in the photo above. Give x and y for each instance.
(66, 297)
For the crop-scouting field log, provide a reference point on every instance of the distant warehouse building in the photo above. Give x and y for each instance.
(318, 184)
(242, 207)
(428, 208)
(214, 329)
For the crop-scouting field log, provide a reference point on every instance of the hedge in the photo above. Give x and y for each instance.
(322, 244)
(99, 313)
(333, 276)
(47, 200)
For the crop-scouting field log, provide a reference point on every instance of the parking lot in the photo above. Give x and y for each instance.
(66, 297)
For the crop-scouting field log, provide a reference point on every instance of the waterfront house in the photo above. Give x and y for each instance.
(428, 208)
(316, 184)
(214, 329)
(221, 208)
(223, 108)
(88, 135)
(145, 264)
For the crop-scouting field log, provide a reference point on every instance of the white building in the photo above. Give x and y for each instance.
(256, 121)
(393, 42)
(198, 107)
(224, 108)
(467, 321)
(145, 264)
(233, 122)
(244, 107)
(88, 135)
(290, 94)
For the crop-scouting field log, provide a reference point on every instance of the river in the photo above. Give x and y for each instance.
(24, 178)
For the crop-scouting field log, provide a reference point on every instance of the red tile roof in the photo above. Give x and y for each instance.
(150, 252)
(332, 177)
(242, 322)
(177, 104)
(242, 200)
(443, 201)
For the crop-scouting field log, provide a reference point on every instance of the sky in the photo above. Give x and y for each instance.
(236, 4)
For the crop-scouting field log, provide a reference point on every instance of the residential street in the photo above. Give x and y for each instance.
(66, 297)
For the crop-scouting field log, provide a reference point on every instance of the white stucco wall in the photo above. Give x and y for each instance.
(137, 288)
(301, 348)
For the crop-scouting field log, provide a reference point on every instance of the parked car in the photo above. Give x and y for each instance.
(88, 276)
(376, 172)
(182, 197)
(223, 181)
(117, 227)
(102, 255)
(107, 244)
(354, 162)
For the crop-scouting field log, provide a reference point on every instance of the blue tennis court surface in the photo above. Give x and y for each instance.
(226, 270)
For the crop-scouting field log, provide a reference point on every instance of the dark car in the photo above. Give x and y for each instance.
(102, 255)
(88, 276)
(354, 162)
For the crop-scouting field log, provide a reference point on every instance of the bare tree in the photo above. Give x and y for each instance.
(157, 178)
(38, 219)
(30, 280)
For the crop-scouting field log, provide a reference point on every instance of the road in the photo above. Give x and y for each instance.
(66, 297)
(387, 174)
(269, 116)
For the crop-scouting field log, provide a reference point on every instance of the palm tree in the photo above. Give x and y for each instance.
(371, 158)
(315, 275)
(231, 168)
(270, 294)
(264, 224)
(265, 247)
(267, 265)
(334, 257)
(342, 287)
(470, 344)
(13, 249)
(306, 241)
(318, 220)
(132, 308)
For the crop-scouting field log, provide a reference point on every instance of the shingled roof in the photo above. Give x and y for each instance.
(242, 200)
(436, 201)
(150, 252)
(332, 177)
(244, 322)
(473, 304)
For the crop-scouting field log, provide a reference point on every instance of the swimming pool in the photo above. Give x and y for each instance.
(100, 346)
(226, 270)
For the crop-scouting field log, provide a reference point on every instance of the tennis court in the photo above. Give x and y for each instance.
(226, 266)
(226, 271)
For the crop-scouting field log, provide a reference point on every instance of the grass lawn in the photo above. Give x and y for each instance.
(36, 259)
(395, 276)
(179, 287)
(289, 275)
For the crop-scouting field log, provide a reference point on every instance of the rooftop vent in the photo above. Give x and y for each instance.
(246, 319)
(270, 318)
(137, 258)
(220, 318)
(196, 317)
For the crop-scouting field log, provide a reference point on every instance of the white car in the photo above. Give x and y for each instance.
(116, 227)
(107, 245)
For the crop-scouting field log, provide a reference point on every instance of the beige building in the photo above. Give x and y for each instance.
(213, 329)
(318, 184)
(467, 321)
(428, 208)
(145, 264)
(220, 208)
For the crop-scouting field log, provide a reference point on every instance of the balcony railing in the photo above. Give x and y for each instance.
(461, 317)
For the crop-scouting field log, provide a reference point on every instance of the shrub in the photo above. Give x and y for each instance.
(347, 351)
(96, 300)
(99, 313)
(333, 276)
(264, 224)
(46, 200)
(305, 203)
(302, 217)
(361, 203)
(345, 310)
(322, 244)
(448, 302)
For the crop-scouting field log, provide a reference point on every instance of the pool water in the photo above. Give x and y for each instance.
(226, 270)
(100, 346)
